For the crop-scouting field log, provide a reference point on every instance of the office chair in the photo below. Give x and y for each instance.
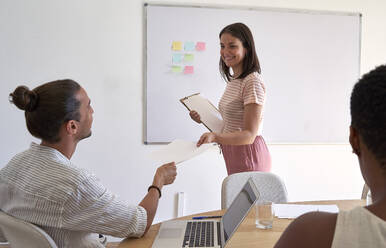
(270, 186)
(21, 234)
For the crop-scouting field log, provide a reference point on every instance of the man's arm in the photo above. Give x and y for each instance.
(315, 229)
(164, 175)
(92, 208)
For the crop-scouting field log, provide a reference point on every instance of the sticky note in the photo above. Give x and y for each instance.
(177, 58)
(200, 46)
(189, 46)
(188, 69)
(176, 68)
(188, 57)
(177, 45)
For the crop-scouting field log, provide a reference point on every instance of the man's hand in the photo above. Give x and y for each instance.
(165, 174)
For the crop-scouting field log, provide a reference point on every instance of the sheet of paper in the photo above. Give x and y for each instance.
(179, 151)
(210, 116)
(291, 211)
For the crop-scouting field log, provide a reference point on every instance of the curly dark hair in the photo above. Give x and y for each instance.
(368, 111)
(47, 107)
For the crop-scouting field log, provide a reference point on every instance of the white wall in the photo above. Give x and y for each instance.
(99, 43)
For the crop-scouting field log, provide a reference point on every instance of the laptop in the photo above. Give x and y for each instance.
(208, 232)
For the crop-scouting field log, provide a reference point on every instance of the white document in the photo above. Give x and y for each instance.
(291, 211)
(209, 114)
(178, 151)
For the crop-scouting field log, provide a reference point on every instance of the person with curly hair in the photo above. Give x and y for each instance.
(362, 226)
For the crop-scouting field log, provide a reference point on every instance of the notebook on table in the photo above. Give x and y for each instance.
(208, 232)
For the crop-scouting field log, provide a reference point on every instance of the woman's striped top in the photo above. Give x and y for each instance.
(238, 93)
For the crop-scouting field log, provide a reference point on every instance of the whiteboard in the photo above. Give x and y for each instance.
(310, 61)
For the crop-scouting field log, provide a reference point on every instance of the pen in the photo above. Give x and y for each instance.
(206, 217)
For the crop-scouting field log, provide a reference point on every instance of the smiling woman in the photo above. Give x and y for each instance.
(241, 105)
(232, 53)
(309, 60)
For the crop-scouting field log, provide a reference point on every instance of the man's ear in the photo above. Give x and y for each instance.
(354, 141)
(72, 127)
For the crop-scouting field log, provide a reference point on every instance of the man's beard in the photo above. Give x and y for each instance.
(85, 136)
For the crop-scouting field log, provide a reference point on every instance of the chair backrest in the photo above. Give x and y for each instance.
(21, 234)
(270, 186)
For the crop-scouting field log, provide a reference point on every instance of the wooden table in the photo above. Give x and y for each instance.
(247, 235)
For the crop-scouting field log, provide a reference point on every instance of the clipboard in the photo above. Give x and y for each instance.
(209, 114)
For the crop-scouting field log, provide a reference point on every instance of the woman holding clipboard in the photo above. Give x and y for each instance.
(241, 105)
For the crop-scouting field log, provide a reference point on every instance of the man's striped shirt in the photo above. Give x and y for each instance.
(42, 186)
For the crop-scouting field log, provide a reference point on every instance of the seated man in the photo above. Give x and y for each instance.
(362, 226)
(42, 186)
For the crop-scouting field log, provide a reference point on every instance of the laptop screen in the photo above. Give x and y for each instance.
(238, 209)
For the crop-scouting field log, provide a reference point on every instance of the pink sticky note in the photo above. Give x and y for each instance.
(200, 46)
(188, 69)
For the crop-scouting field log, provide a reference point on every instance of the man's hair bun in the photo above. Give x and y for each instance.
(24, 98)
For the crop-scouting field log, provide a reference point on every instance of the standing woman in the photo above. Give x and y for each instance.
(241, 105)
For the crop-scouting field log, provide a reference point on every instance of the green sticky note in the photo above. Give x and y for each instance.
(176, 68)
(189, 57)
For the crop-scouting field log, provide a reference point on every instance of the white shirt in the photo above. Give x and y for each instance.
(42, 186)
(359, 228)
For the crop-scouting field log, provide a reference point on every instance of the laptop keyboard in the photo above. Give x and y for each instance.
(199, 234)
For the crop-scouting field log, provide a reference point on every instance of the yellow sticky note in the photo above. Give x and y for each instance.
(177, 45)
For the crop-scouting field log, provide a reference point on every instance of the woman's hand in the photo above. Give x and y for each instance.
(195, 116)
(206, 138)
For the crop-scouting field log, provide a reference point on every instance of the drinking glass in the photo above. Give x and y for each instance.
(264, 214)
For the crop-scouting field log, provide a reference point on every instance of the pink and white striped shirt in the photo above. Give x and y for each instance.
(238, 93)
(249, 157)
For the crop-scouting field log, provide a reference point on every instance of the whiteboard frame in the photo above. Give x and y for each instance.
(240, 7)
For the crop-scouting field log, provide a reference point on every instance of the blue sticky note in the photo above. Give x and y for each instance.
(189, 46)
(177, 58)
